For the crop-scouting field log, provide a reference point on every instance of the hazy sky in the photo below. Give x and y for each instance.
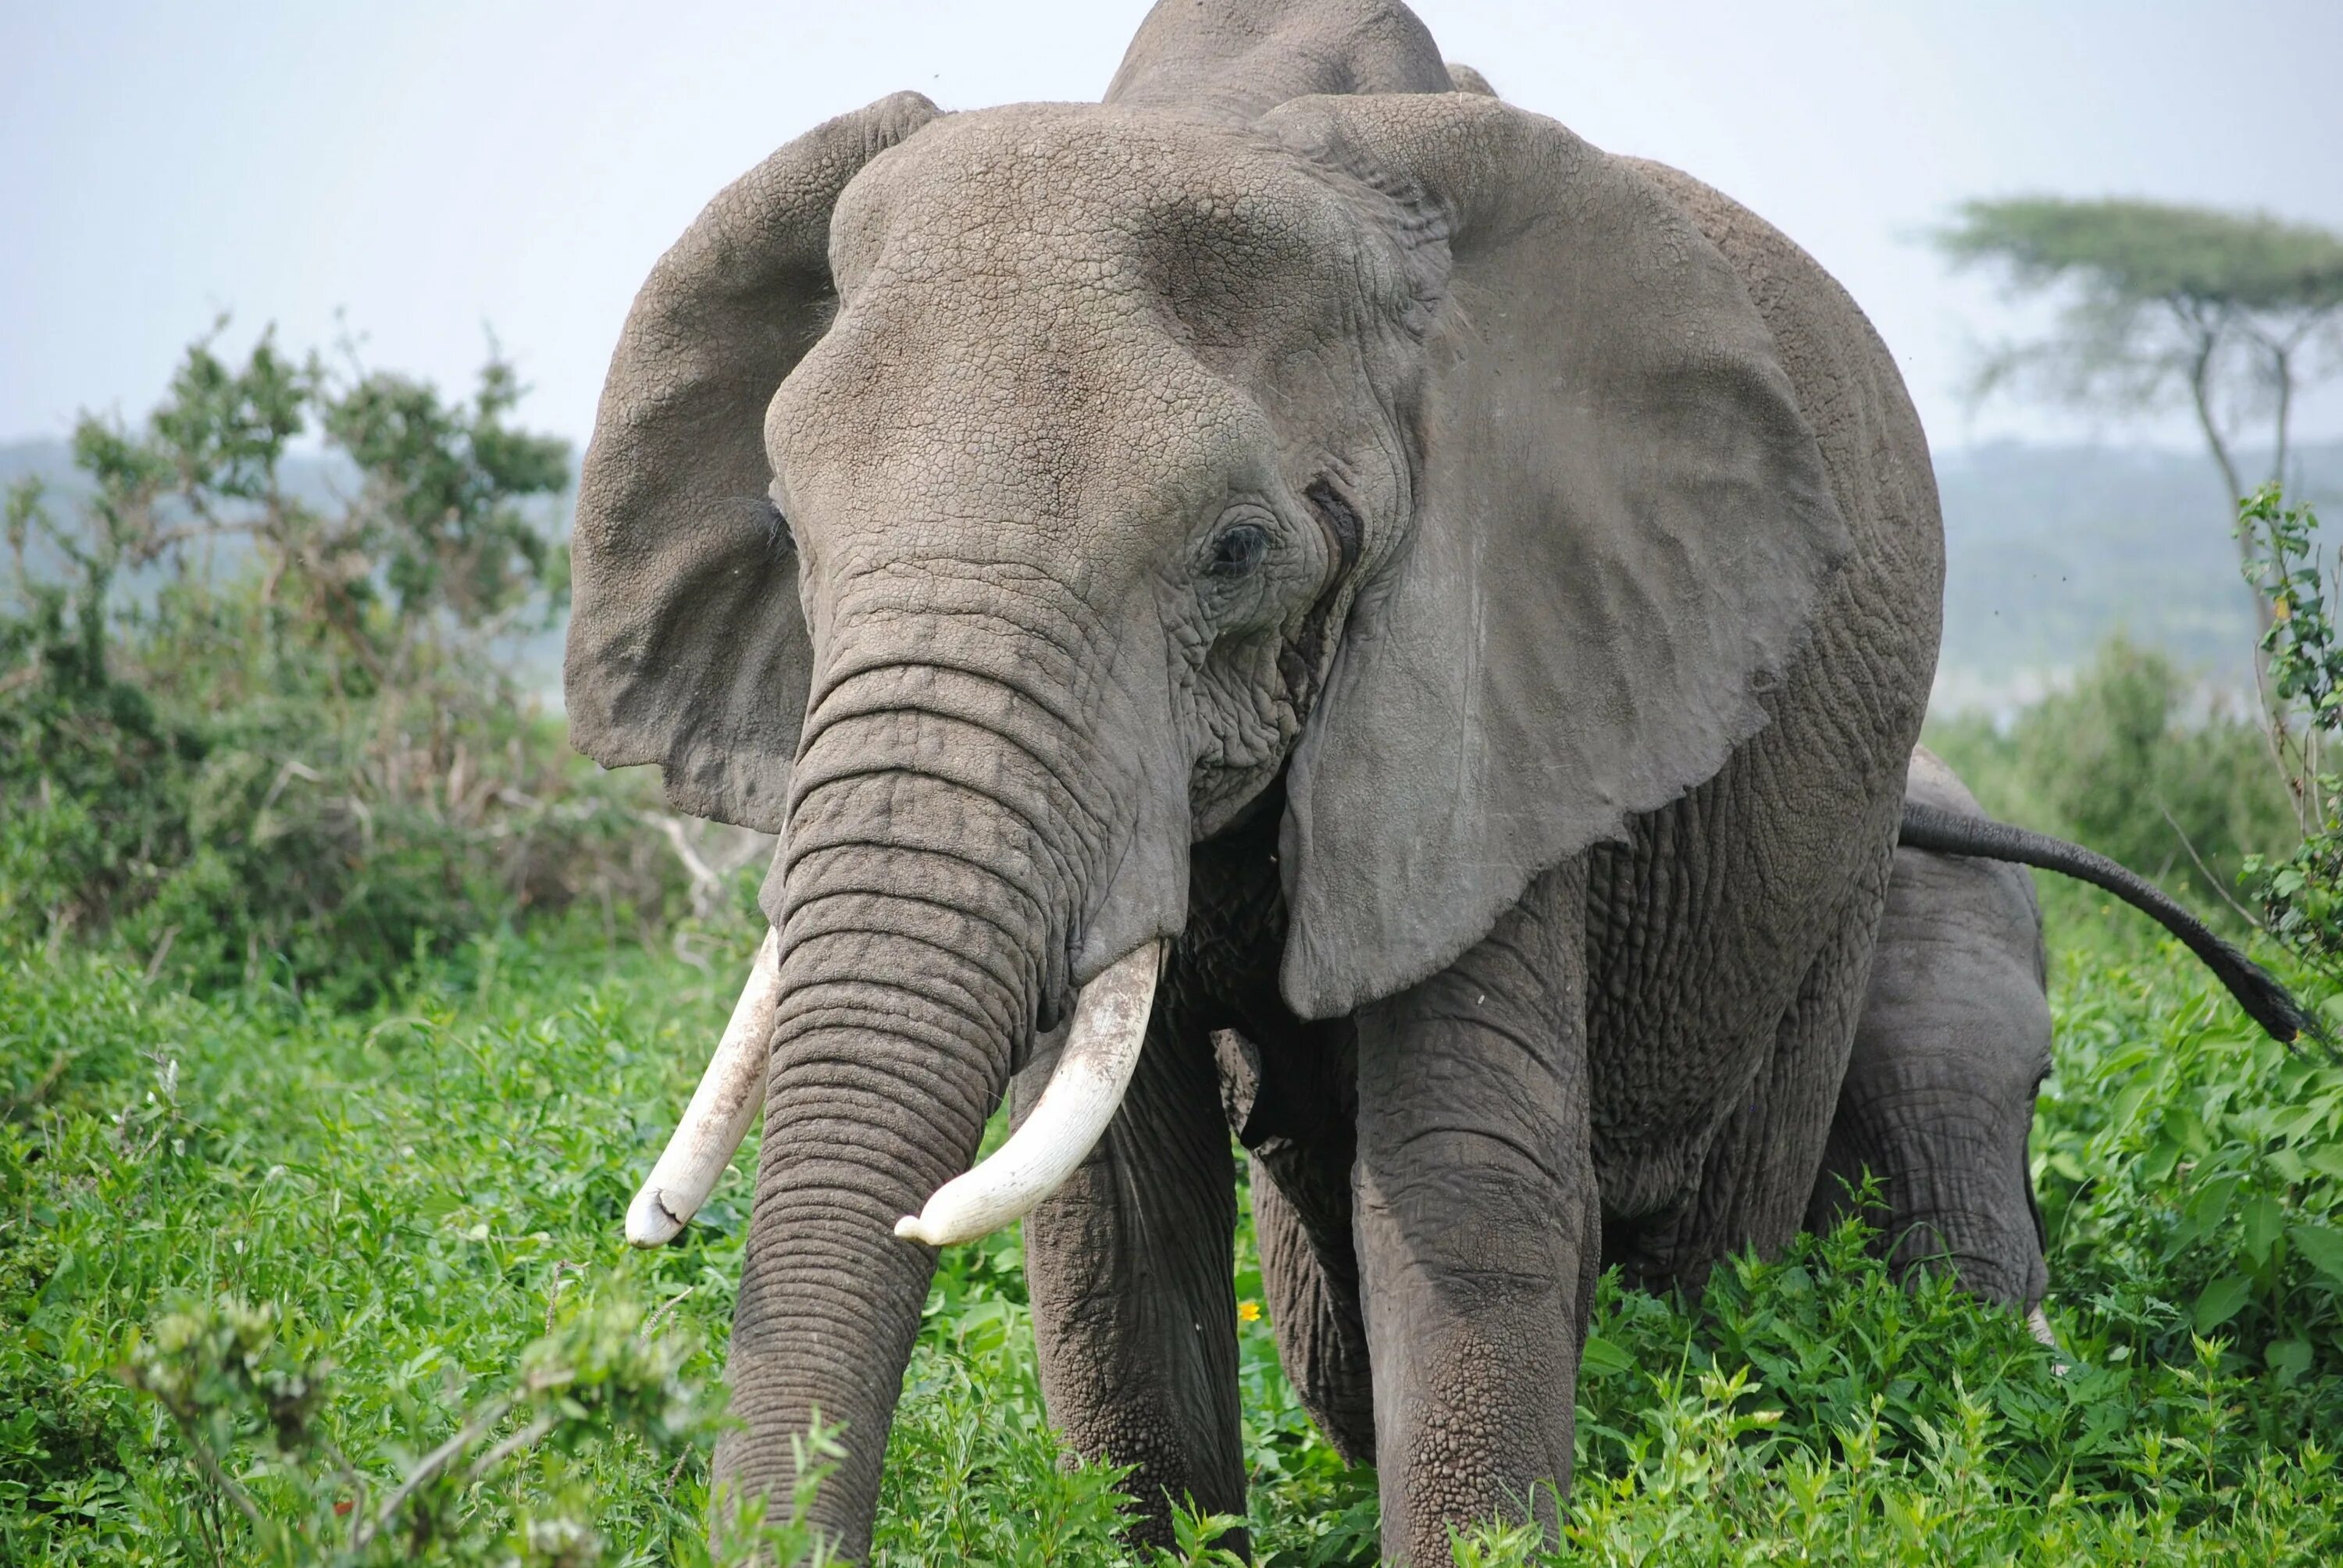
(436, 170)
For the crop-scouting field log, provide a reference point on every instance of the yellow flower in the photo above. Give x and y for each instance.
(1248, 1312)
(2281, 610)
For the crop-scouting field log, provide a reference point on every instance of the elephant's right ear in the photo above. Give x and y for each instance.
(686, 644)
(1621, 528)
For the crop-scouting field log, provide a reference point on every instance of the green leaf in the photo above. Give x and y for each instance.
(1601, 1358)
(2264, 1221)
(2322, 1247)
(2220, 1301)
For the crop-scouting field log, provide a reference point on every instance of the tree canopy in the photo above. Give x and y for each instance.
(2156, 253)
(2236, 313)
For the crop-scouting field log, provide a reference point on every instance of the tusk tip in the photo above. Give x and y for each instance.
(648, 1224)
(914, 1227)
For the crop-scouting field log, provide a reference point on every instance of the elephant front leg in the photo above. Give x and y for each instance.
(1478, 1228)
(1129, 1266)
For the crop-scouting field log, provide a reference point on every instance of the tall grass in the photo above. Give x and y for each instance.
(423, 1191)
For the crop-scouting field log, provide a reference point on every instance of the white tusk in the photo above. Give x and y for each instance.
(727, 1100)
(2037, 1323)
(1101, 1051)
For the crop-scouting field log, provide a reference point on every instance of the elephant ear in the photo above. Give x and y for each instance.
(687, 647)
(1621, 529)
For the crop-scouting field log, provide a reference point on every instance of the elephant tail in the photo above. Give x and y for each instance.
(2269, 1003)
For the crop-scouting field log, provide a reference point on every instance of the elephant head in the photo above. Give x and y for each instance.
(994, 504)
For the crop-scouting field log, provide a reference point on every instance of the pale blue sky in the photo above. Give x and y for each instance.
(436, 170)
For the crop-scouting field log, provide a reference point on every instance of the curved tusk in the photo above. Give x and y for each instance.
(727, 1100)
(1101, 1052)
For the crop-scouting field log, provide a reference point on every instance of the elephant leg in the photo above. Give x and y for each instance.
(1294, 1105)
(1759, 1173)
(1477, 1225)
(1134, 1306)
(1310, 1273)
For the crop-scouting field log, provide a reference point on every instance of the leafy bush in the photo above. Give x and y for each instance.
(249, 731)
(442, 1234)
(235, 1382)
(2187, 1167)
(423, 1190)
(2301, 895)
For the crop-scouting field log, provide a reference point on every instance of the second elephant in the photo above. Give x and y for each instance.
(1955, 1038)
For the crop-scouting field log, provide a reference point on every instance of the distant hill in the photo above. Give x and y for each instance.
(2048, 550)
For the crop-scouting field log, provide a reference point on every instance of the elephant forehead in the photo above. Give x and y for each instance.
(1096, 196)
(1072, 233)
(1059, 320)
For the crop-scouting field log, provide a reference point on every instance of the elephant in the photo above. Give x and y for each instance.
(1937, 1104)
(1301, 547)
(1955, 1038)
(1953, 1041)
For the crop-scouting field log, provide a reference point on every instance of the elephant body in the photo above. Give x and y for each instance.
(1639, 1065)
(1472, 596)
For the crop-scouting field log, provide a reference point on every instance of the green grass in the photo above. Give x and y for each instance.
(424, 1192)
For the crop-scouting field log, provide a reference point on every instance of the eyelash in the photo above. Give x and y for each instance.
(776, 528)
(1238, 551)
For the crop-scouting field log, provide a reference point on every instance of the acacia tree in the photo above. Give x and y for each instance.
(2234, 314)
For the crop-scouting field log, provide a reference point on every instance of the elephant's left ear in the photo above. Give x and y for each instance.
(686, 644)
(1620, 531)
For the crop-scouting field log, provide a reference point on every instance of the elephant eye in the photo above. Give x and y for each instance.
(1237, 550)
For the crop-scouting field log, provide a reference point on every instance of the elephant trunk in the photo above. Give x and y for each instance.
(930, 872)
(1953, 1183)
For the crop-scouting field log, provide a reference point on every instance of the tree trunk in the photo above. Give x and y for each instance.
(2200, 397)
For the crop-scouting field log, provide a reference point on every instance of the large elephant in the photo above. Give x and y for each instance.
(1935, 1107)
(1336, 555)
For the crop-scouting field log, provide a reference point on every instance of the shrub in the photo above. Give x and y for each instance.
(2301, 895)
(305, 764)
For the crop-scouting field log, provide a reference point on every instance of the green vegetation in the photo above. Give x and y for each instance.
(426, 1195)
(2137, 761)
(246, 730)
(2301, 895)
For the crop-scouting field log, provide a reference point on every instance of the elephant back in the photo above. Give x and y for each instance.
(1233, 60)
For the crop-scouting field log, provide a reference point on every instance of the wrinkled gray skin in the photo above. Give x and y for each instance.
(1953, 1041)
(1937, 1102)
(1474, 593)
